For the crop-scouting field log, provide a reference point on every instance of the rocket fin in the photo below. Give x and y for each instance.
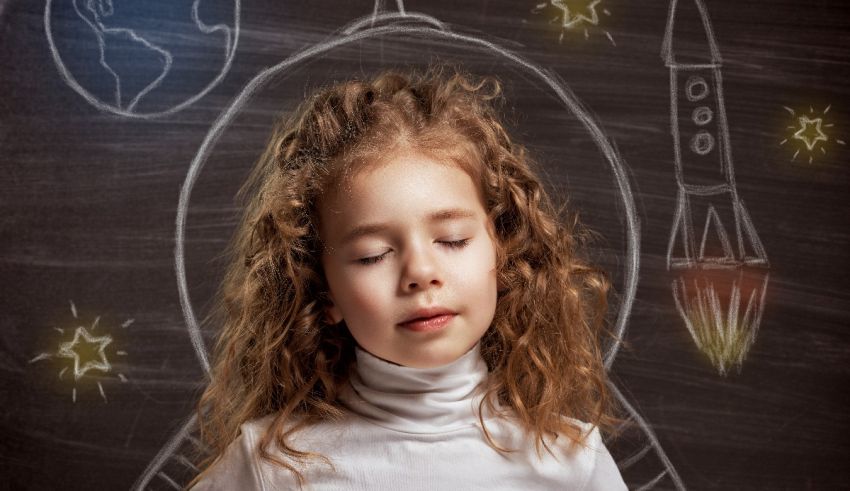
(752, 250)
(678, 251)
(715, 245)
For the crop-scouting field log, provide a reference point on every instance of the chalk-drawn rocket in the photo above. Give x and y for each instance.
(721, 267)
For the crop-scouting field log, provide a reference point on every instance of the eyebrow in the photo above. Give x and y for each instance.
(437, 216)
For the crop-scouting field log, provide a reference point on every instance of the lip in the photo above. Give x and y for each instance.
(430, 324)
(426, 313)
(428, 319)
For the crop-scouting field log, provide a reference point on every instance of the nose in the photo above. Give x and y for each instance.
(421, 270)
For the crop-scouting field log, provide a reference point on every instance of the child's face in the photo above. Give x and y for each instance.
(382, 278)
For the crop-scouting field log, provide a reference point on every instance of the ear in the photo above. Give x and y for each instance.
(332, 313)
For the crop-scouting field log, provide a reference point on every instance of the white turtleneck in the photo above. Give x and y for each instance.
(417, 429)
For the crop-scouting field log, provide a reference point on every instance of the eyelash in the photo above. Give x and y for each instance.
(452, 244)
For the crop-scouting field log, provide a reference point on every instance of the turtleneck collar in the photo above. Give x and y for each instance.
(417, 400)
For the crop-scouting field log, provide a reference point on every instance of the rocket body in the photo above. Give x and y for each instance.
(711, 226)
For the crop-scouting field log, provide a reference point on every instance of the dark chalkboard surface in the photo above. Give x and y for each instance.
(704, 140)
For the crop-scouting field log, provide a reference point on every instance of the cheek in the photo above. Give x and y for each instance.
(477, 269)
(483, 288)
(360, 295)
(485, 259)
(491, 285)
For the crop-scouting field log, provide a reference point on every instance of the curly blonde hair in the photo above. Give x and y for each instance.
(278, 354)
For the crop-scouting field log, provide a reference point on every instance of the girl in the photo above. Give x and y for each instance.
(404, 309)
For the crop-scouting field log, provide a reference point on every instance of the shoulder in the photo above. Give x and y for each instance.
(238, 467)
(242, 467)
(585, 466)
(597, 466)
(256, 428)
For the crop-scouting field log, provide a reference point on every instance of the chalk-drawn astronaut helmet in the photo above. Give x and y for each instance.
(567, 141)
(569, 144)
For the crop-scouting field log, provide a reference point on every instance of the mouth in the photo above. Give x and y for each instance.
(428, 324)
(426, 314)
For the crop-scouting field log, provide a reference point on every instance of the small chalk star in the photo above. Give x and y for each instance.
(87, 351)
(810, 132)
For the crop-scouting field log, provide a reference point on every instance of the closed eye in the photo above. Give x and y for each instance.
(456, 244)
(373, 259)
(452, 244)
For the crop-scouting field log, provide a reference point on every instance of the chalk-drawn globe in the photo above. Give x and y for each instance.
(142, 58)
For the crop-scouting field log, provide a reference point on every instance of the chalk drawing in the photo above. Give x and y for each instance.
(171, 468)
(575, 15)
(720, 264)
(376, 25)
(95, 14)
(636, 443)
(809, 132)
(86, 351)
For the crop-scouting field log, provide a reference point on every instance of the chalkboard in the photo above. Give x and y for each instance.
(703, 140)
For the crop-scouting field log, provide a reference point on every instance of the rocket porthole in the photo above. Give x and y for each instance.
(696, 88)
(702, 115)
(702, 143)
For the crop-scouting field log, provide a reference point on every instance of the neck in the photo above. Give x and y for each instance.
(417, 400)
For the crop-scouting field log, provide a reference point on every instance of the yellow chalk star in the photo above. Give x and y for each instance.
(810, 132)
(576, 12)
(87, 351)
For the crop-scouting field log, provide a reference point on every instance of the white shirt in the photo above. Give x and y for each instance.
(417, 429)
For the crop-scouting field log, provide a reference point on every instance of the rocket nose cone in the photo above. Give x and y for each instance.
(689, 38)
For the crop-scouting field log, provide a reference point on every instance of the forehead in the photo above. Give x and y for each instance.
(404, 188)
